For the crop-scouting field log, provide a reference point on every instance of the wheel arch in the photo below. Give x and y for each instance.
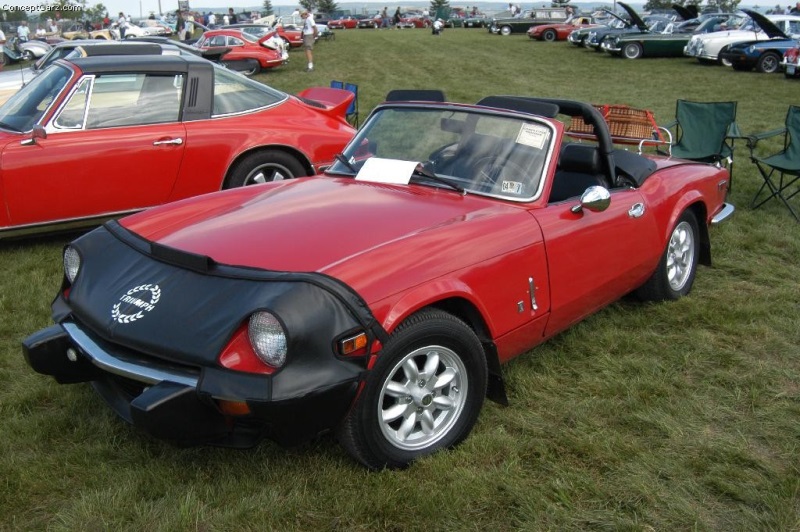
(457, 299)
(700, 211)
(294, 152)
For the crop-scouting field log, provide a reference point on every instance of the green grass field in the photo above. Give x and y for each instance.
(671, 416)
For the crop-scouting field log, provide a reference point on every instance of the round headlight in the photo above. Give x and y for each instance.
(72, 263)
(267, 338)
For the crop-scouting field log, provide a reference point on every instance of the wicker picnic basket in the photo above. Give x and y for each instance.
(623, 122)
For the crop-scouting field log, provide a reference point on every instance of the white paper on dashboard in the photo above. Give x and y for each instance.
(391, 171)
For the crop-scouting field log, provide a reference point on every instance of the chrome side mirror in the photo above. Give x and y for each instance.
(37, 132)
(595, 199)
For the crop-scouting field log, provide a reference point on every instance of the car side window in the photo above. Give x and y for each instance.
(233, 41)
(794, 27)
(134, 99)
(234, 93)
(217, 40)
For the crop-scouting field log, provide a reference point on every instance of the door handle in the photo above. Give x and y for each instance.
(176, 142)
(636, 211)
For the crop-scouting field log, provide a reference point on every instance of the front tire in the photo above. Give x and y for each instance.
(676, 270)
(27, 55)
(263, 167)
(768, 63)
(549, 35)
(423, 395)
(632, 50)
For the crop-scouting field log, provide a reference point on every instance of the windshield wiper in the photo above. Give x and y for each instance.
(342, 159)
(421, 170)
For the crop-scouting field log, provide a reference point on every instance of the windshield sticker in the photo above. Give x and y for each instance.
(533, 135)
(391, 171)
(512, 187)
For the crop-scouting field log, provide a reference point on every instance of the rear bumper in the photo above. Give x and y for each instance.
(183, 404)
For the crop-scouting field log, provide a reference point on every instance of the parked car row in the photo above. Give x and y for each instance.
(745, 40)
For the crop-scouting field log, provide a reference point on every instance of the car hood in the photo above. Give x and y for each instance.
(376, 238)
(635, 18)
(766, 24)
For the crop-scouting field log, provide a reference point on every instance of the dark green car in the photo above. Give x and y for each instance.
(646, 41)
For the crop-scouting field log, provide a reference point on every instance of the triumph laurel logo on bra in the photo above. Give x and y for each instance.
(135, 302)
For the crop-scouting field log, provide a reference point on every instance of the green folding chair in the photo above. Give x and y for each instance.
(781, 171)
(705, 132)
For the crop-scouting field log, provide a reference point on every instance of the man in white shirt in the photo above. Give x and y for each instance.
(23, 31)
(309, 36)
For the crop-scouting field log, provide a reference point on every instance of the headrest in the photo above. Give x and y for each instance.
(580, 158)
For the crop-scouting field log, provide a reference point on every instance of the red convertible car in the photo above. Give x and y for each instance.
(379, 300)
(96, 137)
(560, 32)
(343, 23)
(248, 53)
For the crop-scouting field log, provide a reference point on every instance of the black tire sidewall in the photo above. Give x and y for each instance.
(426, 329)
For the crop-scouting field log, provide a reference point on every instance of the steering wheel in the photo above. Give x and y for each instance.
(490, 170)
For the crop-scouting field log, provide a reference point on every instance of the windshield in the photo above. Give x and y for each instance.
(483, 153)
(23, 110)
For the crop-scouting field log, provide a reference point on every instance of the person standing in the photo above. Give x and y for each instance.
(232, 18)
(309, 36)
(180, 26)
(122, 24)
(397, 18)
(385, 17)
(2, 48)
(212, 20)
(23, 31)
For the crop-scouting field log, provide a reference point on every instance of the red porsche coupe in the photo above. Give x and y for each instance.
(97, 137)
(377, 301)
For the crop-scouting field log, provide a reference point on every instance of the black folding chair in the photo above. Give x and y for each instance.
(781, 171)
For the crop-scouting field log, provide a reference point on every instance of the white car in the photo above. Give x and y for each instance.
(707, 47)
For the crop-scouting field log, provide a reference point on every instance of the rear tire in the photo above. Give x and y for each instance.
(264, 166)
(721, 61)
(676, 270)
(505, 30)
(423, 395)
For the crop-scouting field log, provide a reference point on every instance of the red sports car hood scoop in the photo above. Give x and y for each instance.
(345, 228)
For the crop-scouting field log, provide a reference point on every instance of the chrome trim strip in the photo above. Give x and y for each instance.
(136, 370)
(723, 214)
